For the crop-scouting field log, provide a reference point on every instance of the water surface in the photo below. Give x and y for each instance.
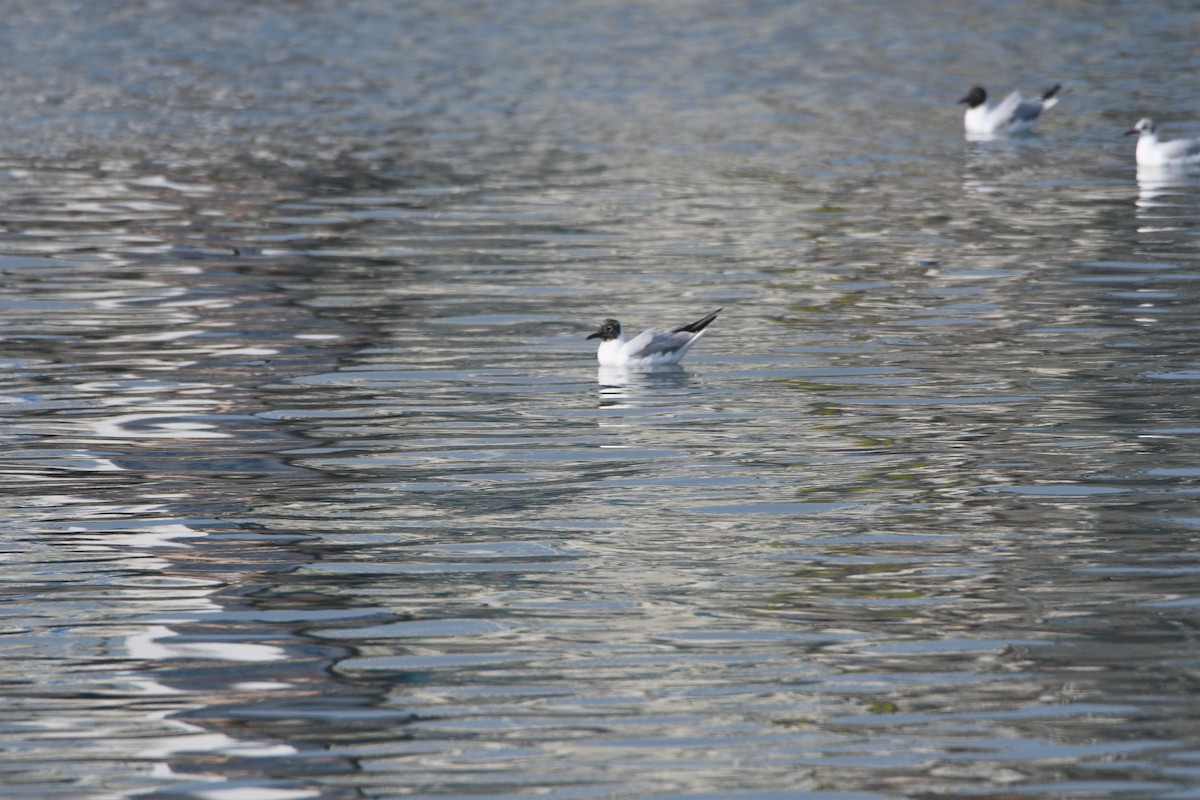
(314, 489)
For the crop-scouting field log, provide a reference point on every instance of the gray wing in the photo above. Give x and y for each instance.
(1028, 111)
(1006, 110)
(650, 343)
(1180, 148)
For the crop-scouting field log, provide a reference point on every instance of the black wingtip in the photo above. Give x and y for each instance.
(701, 324)
(1053, 90)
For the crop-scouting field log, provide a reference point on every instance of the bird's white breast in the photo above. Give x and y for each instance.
(976, 120)
(1148, 154)
(610, 353)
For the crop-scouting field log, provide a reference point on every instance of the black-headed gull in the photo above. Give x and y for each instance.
(1153, 153)
(1013, 114)
(649, 349)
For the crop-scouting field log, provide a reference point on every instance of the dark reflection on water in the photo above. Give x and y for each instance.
(315, 491)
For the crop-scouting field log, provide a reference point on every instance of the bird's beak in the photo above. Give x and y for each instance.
(595, 335)
(966, 99)
(1132, 131)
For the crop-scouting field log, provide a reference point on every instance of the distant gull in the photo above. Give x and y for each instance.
(1014, 114)
(648, 350)
(1153, 153)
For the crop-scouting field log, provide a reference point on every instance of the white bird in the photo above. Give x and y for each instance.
(648, 350)
(1153, 153)
(1013, 114)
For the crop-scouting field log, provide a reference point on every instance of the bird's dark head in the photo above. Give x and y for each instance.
(609, 329)
(976, 97)
(1144, 124)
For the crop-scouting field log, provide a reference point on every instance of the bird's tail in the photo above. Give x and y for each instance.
(700, 324)
(1048, 98)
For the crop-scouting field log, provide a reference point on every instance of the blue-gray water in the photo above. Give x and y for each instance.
(312, 490)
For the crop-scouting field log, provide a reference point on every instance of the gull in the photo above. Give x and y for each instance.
(650, 349)
(1153, 153)
(1013, 114)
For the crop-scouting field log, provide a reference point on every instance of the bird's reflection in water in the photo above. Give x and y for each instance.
(994, 164)
(1168, 199)
(1158, 182)
(624, 388)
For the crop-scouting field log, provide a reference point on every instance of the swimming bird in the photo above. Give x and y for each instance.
(1013, 114)
(1153, 153)
(650, 349)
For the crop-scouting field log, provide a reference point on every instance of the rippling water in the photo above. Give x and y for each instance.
(314, 489)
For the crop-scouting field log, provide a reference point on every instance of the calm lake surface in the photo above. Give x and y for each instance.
(312, 488)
